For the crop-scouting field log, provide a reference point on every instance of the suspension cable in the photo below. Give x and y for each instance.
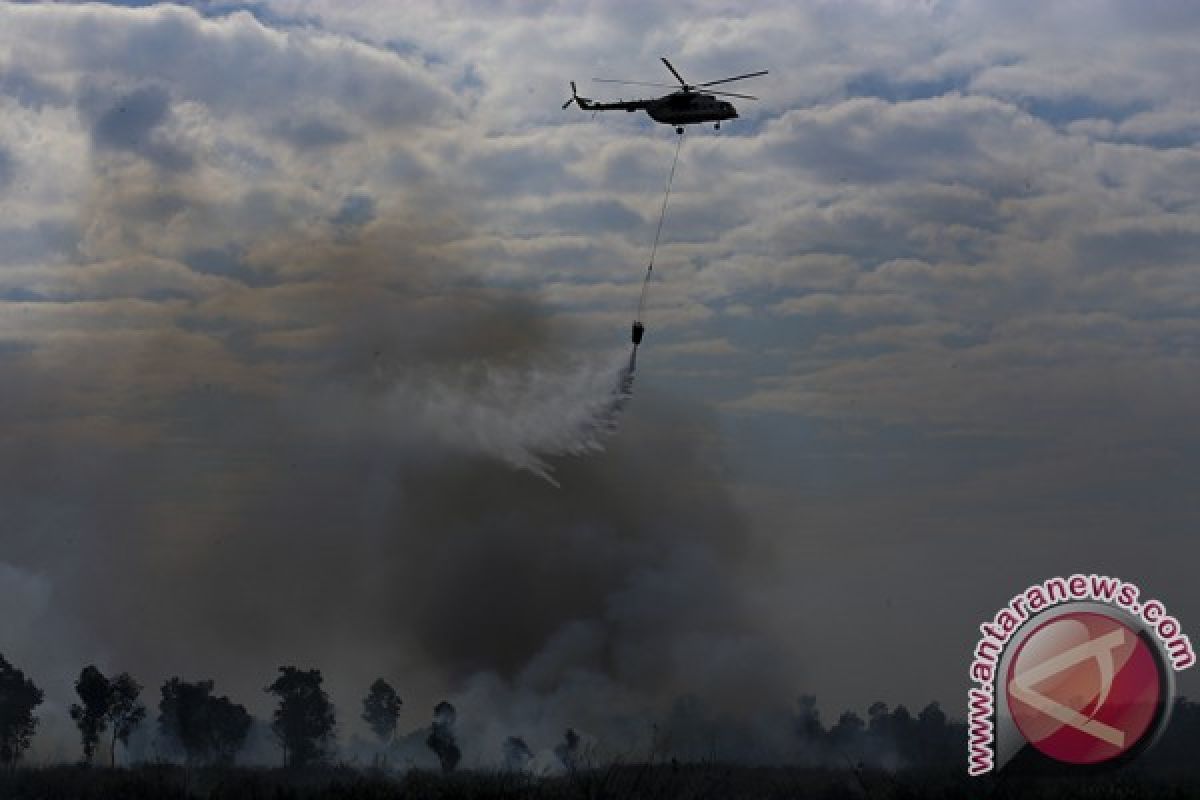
(662, 215)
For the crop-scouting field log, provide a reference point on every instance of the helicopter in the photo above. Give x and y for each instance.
(684, 106)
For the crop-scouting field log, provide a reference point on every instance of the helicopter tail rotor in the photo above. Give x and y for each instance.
(574, 98)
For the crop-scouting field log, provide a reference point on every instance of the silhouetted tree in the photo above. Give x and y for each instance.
(879, 746)
(91, 716)
(184, 717)
(381, 710)
(846, 736)
(124, 713)
(304, 721)
(230, 724)
(517, 754)
(902, 729)
(808, 719)
(204, 727)
(878, 719)
(1176, 750)
(441, 738)
(18, 698)
(569, 751)
(934, 742)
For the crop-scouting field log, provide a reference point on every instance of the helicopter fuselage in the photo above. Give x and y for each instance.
(685, 108)
(677, 108)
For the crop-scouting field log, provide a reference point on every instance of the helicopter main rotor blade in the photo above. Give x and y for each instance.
(734, 94)
(737, 78)
(633, 83)
(678, 77)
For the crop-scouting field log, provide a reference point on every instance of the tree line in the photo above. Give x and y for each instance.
(203, 728)
(198, 725)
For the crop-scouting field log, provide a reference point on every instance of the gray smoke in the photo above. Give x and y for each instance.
(297, 446)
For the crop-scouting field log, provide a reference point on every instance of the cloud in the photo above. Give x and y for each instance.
(357, 209)
(48, 239)
(28, 90)
(312, 134)
(132, 123)
(1160, 240)
(7, 168)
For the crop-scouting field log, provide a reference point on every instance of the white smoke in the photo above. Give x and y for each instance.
(520, 414)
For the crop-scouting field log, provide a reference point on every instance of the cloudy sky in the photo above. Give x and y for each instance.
(311, 312)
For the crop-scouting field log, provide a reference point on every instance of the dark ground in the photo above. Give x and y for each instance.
(699, 782)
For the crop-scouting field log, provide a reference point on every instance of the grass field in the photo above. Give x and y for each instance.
(645, 782)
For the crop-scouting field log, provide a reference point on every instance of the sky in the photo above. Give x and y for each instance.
(311, 314)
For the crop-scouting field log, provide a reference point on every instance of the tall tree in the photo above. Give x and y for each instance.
(441, 739)
(569, 750)
(808, 719)
(934, 743)
(124, 713)
(230, 724)
(381, 711)
(879, 720)
(901, 727)
(517, 755)
(91, 714)
(304, 722)
(846, 735)
(204, 727)
(183, 717)
(18, 698)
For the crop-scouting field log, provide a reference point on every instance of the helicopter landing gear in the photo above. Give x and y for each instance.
(679, 130)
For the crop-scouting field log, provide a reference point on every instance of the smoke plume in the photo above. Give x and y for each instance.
(241, 433)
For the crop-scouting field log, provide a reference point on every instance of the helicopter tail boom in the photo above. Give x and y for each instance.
(584, 103)
(587, 104)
